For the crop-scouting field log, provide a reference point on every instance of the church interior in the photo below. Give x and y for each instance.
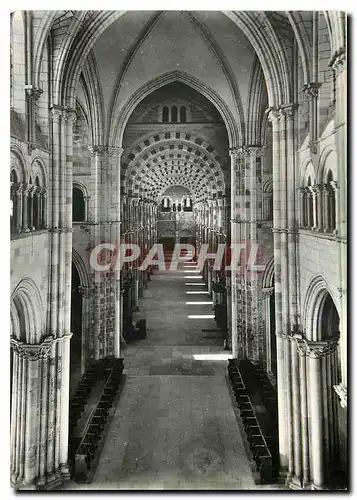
(146, 130)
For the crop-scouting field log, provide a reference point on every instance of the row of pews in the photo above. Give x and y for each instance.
(256, 445)
(85, 449)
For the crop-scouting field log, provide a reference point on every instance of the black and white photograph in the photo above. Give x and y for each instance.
(178, 250)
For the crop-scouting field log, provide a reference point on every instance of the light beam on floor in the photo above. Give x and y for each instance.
(212, 357)
(200, 316)
(194, 284)
(199, 292)
(199, 303)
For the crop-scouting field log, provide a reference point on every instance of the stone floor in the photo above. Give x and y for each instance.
(174, 427)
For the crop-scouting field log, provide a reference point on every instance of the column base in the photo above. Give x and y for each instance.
(47, 482)
(294, 483)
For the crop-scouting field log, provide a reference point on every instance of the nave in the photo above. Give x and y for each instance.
(174, 427)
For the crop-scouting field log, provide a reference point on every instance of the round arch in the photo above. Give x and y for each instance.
(268, 276)
(308, 171)
(38, 169)
(26, 311)
(315, 298)
(116, 129)
(18, 163)
(328, 161)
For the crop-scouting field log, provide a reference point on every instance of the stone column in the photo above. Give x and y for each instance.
(325, 205)
(318, 193)
(274, 117)
(26, 192)
(304, 412)
(30, 221)
(45, 221)
(339, 66)
(335, 206)
(19, 201)
(255, 311)
(267, 293)
(35, 435)
(234, 238)
(38, 219)
(301, 207)
(315, 352)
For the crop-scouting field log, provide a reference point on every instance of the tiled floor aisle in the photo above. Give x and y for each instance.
(174, 427)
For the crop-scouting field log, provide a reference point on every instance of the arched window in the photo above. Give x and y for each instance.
(174, 114)
(165, 114)
(78, 205)
(268, 201)
(183, 117)
(165, 204)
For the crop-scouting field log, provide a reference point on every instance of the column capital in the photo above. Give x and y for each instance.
(315, 349)
(56, 113)
(61, 113)
(101, 150)
(320, 349)
(19, 188)
(26, 189)
(257, 151)
(233, 152)
(33, 352)
(286, 110)
(34, 93)
(69, 115)
(273, 114)
(311, 90)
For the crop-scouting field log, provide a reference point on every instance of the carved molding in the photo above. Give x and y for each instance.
(100, 150)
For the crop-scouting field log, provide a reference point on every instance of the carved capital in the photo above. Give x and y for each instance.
(311, 90)
(32, 352)
(34, 93)
(56, 114)
(233, 152)
(286, 111)
(100, 150)
(320, 349)
(257, 151)
(273, 114)
(69, 115)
